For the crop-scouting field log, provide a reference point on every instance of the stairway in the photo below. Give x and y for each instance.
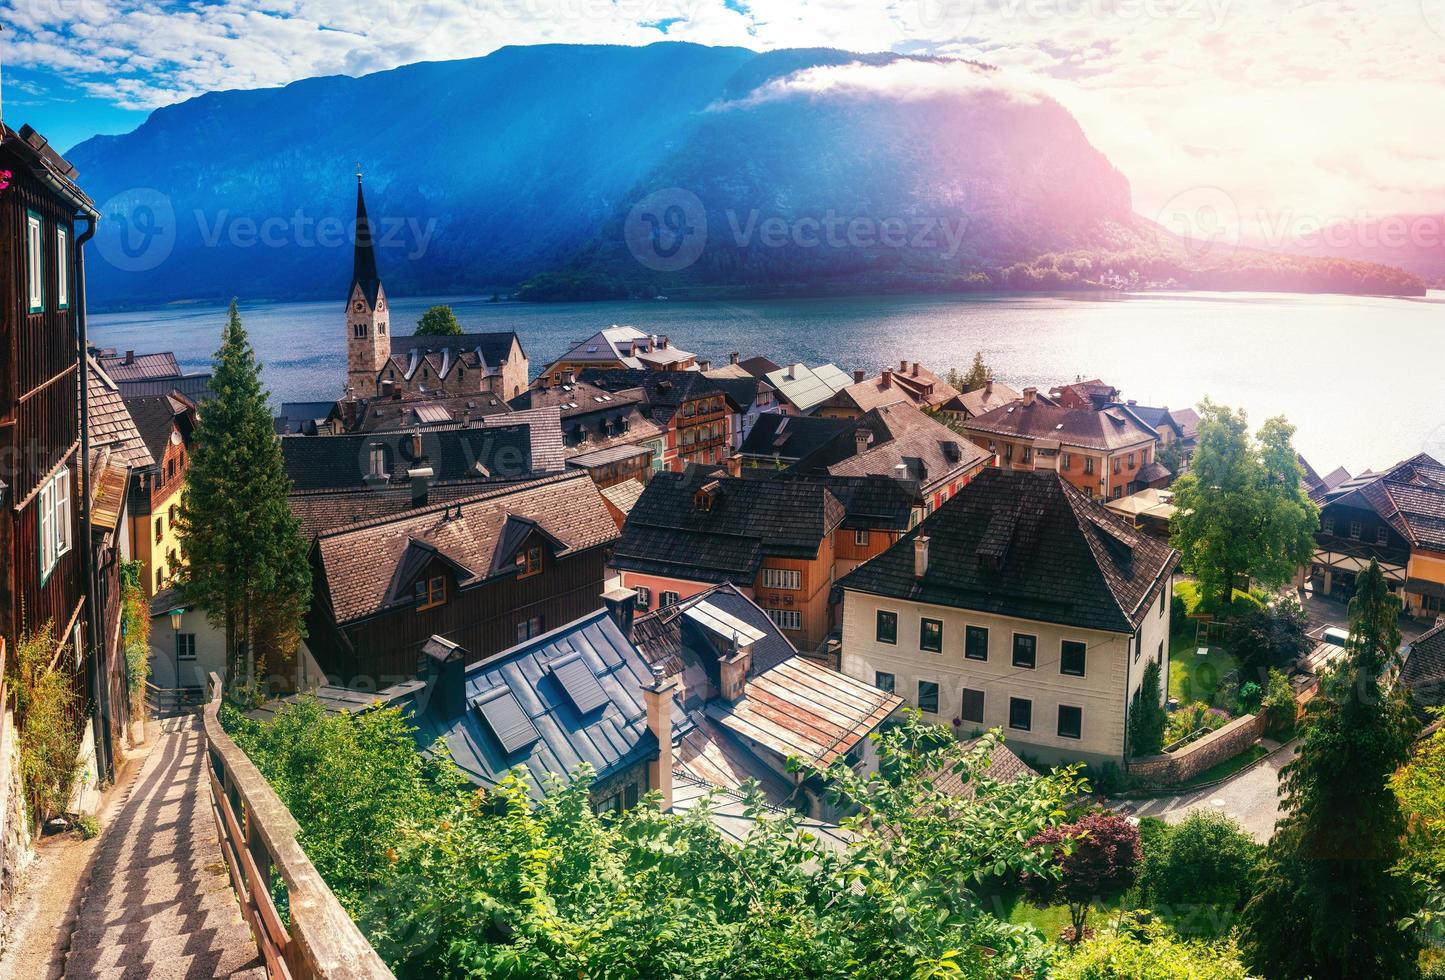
(159, 903)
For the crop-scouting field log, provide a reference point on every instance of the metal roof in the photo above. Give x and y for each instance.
(725, 625)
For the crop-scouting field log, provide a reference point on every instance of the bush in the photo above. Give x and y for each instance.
(1249, 697)
(1095, 858)
(1204, 863)
(136, 631)
(47, 716)
(1147, 718)
(1149, 952)
(1279, 704)
(1189, 718)
(1178, 614)
(88, 826)
(1273, 637)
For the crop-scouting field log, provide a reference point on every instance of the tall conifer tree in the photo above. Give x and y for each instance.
(245, 558)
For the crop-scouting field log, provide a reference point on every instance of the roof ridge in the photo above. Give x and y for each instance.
(480, 496)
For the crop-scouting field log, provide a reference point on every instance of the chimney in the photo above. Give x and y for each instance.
(658, 698)
(861, 438)
(988, 386)
(569, 376)
(420, 479)
(914, 370)
(900, 471)
(130, 357)
(704, 365)
(902, 367)
(920, 556)
(733, 357)
(858, 376)
(416, 447)
(664, 342)
(443, 665)
(621, 605)
(733, 671)
(386, 388)
(734, 465)
(1029, 394)
(887, 381)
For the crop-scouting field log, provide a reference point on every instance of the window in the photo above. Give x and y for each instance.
(171, 514)
(1028, 454)
(1071, 658)
(1138, 644)
(376, 461)
(975, 643)
(1089, 465)
(529, 562)
(1329, 525)
(930, 635)
(62, 268)
(1071, 721)
(887, 631)
(928, 696)
(381, 329)
(185, 646)
(529, 628)
(1118, 464)
(860, 538)
(1025, 650)
(54, 519)
(1008, 451)
(360, 330)
(431, 592)
(787, 619)
(1355, 530)
(1163, 595)
(973, 706)
(1131, 461)
(667, 599)
(1065, 461)
(1118, 492)
(160, 528)
(782, 578)
(883, 681)
(35, 265)
(1020, 714)
(644, 597)
(1159, 655)
(1382, 535)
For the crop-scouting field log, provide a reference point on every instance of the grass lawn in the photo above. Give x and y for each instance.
(1015, 908)
(1192, 677)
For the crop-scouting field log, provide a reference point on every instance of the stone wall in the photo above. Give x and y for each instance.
(15, 844)
(1198, 756)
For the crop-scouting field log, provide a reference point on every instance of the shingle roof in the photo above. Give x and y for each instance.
(746, 519)
(791, 437)
(663, 391)
(932, 452)
(1112, 428)
(1410, 496)
(1003, 767)
(925, 387)
(1423, 672)
(577, 398)
(1026, 544)
(982, 400)
(624, 495)
(154, 417)
(670, 637)
(323, 462)
(301, 417)
(110, 422)
(326, 510)
(493, 347)
(141, 367)
(383, 414)
(361, 561)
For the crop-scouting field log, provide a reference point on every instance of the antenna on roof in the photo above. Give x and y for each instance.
(358, 173)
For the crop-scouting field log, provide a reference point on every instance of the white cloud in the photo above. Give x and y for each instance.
(901, 81)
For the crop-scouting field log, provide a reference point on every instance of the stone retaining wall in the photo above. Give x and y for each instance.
(1198, 756)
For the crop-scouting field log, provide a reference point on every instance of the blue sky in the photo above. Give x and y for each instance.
(1293, 110)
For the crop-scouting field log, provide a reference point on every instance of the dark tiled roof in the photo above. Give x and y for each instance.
(142, 367)
(609, 738)
(930, 450)
(361, 561)
(1110, 429)
(1409, 496)
(154, 416)
(1003, 767)
(323, 462)
(110, 422)
(793, 437)
(1152, 471)
(874, 502)
(577, 398)
(982, 400)
(663, 391)
(746, 519)
(301, 417)
(319, 511)
(388, 414)
(1423, 672)
(1028, 545)
(493, 347)
(667, 636)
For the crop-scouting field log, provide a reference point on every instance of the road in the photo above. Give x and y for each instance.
(1252, 798)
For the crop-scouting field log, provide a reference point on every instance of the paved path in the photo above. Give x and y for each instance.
(1252, 798)
(159, 903)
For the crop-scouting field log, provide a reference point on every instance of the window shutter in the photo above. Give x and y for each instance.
(47, 539)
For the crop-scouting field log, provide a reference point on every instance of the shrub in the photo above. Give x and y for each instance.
(1279, 704)
(88, 826)
(1272, 637)
(1178, 614)
(1094, 858)
(1149, 952)
(136, 632)
(1249, 697)
(1189, 718)
(1205, 863)
(47, 718)
(1147, 718)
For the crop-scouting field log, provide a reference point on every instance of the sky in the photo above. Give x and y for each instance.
(1270, 115)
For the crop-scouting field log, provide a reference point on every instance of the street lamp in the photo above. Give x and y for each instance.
(176, 615)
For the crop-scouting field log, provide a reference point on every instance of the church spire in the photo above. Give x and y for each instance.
(364, 272)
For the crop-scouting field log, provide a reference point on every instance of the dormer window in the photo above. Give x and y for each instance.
(430, 592)
(376, 462)
(529, 562)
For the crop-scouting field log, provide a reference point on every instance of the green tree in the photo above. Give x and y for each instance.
(439, 321)
(1330, 901)
(1095, 858)
(1420, 787)
(1147, 717)
(245, 560)
(1241, 508)
(1149, 951)
(1273, 637)
(1200, 872)
(978, 374)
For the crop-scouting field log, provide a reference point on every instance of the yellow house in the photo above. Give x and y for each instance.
(167, 423)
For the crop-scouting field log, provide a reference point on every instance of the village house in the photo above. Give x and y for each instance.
(468, 363)
(1094, 395)
(1396, 518)
(167, 423)
(911, 384)
(782, 541)
(617, 349)
(1019, 604)
(604, 432)
(1106, 452)
(801, 390)
(978, 401)
(695, 413)
(152, 374)
(484, 572)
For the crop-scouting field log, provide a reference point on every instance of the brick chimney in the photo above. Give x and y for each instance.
(902, 367)
(887, 379)
(988, 386)
(1030, 393)
(733, 357)
(914, 370)
(858, 376)
(658, 698)
(420, 481)
(861, 439)
(130, 357)
(621, 605)
(920, 556)
(733, 671)
(734, 466)
(704, 365)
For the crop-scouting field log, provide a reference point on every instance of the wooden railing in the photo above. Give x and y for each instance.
(258, 837)
(167, 702)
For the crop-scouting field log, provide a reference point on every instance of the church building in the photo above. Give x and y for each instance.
(379, 363)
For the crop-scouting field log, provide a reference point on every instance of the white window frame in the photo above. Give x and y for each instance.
(667, 598)
(35, 266)
(54, 521)
(789, 579)
(62, 267)
(786, 619)
(188, 645)
(860, 537)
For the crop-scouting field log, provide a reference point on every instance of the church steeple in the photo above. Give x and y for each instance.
(367, 345)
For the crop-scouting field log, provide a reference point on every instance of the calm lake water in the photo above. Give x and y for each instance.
(1360, 377)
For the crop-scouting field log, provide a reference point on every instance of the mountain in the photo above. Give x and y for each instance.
(1412, 242)
(599, 170)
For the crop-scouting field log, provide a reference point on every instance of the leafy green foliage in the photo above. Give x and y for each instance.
(1241, 507)
(1147, 717)
(48, 719)
(1420, 788)
(1279, 704)
(1204, 864)
(977, 376)
(1092, 858)
(1149, 951)
(88, 826)
(438, 321)
(1190, 718)
(1271, 637)
(1329, 901)
(245, 559)
(136, 630)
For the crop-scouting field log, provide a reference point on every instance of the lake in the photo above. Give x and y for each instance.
(1359, 376)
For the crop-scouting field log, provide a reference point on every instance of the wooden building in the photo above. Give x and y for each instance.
(485, 572)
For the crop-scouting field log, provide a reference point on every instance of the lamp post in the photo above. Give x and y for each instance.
(176, 615)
